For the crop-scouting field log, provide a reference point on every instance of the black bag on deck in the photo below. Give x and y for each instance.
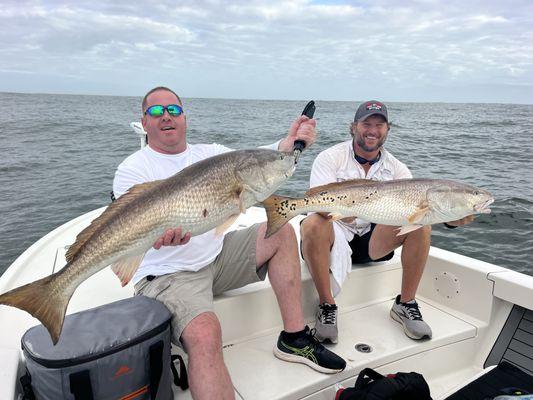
(371, 385)
(120, 350)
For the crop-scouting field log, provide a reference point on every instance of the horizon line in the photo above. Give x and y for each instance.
(266, 99)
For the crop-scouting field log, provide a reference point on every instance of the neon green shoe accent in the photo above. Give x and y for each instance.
(306, 352)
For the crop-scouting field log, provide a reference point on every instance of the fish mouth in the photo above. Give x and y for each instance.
(483, 208)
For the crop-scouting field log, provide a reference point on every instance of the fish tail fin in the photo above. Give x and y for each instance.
(280, 210)
(43, 302)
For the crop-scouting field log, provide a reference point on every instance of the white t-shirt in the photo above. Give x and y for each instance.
(338, 164)
(147, 165)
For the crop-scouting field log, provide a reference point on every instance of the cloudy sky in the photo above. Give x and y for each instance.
(426, 50)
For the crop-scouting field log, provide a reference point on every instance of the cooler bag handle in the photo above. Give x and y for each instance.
(363, 378)
(181, 380)
(156, 367)
(27, 391)
(80, 385)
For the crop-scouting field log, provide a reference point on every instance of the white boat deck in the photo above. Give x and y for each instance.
(465, 301)
(369, 324)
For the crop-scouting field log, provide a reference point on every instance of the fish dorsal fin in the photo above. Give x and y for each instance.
(338, 185)
(226, 224)
(113, 209)
(125, 268)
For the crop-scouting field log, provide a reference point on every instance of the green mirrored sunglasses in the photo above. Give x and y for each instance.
(158, 110)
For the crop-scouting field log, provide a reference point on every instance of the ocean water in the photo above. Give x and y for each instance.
(59, 154)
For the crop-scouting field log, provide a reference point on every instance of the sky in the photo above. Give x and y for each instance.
(441, 51)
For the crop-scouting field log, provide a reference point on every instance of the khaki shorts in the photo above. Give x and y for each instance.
(188, 294)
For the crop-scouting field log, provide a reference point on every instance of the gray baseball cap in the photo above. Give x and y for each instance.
(371, 107)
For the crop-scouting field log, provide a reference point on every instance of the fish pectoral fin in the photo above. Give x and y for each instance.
(242, 207)
(226, 224)
(239, 198)
(419, 214)
(125, 269)
(407, 228)
(336, 216)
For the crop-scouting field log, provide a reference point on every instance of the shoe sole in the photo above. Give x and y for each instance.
(302, 360)
(397, 318)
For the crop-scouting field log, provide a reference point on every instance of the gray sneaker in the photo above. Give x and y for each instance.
(409, 316)
(326, 323)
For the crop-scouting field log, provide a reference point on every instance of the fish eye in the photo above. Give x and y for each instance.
(476, 192)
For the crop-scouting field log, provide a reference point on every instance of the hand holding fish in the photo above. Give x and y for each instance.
(302, 128)
(172, 237)
(463, 221)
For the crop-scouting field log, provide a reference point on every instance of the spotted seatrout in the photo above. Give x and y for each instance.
(406, 203)
(209, 194)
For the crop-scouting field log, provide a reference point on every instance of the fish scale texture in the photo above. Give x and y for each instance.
(198, 198)
(395, 202)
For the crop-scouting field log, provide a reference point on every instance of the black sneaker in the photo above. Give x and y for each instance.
(306, 349)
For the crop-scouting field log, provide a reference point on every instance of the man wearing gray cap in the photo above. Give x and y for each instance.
(335, 245)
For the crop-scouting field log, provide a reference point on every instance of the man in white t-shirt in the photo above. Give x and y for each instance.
(336, 245)
(185, 272)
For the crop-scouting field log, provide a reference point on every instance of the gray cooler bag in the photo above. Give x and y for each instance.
(120, 350)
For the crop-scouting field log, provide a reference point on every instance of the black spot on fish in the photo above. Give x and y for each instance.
(204, 213)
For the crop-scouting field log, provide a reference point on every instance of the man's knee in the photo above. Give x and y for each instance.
(422, 233)
(203, 333)
(316, 227)
(286, 233)
(284, 236)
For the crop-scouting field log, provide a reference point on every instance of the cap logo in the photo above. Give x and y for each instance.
(374, 106)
